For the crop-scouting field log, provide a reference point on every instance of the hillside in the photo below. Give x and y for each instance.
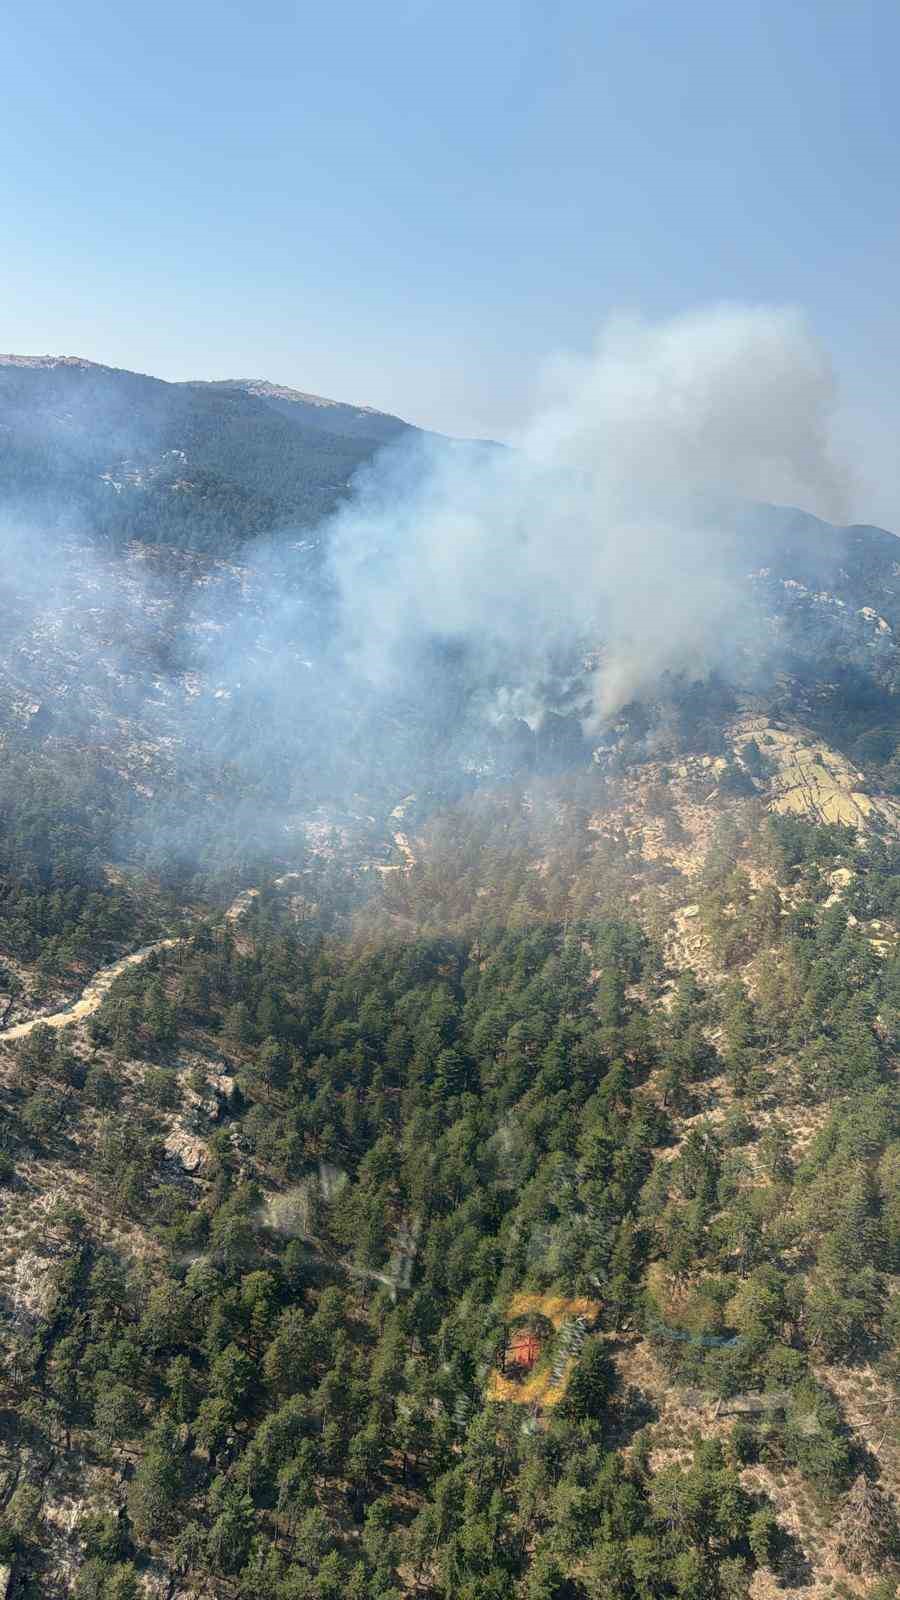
(444, 1155)
(201, 466)
(271, 1206)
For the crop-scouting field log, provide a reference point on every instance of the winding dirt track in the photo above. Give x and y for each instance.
(91, 997)
(94, 993)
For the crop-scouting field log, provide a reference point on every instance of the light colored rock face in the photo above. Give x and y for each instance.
(191, 1153)
(812, 780)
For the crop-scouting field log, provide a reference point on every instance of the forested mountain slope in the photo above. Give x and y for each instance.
(611, 1057)
(484, 1182)
(202, 466)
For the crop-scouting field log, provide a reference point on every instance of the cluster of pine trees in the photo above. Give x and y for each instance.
(291, 1391)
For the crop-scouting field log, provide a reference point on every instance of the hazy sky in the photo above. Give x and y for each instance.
(418, 205)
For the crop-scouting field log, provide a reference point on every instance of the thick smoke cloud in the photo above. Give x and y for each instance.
(232, 703)
(606, 524)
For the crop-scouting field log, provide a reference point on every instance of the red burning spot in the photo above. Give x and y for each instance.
(522, 1350)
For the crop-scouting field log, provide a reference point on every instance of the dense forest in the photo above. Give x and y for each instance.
(202, 467)
(442, 1156)
(414, 1116)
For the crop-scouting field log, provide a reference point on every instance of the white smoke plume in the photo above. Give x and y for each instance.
(603, 526)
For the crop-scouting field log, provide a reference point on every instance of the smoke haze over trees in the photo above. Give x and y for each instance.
(611, 523)
(458, 989)
(386, 587)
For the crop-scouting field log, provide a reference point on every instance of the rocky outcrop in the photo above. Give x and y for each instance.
(808, 778)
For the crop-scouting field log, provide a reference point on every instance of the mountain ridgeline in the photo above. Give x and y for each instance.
(449, 1149)
(113, 455)
(172, 617)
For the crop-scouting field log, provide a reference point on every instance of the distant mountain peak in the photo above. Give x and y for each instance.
(197, 465)
(11, 360)
(281, 391)
(314, 410)
(342, 416)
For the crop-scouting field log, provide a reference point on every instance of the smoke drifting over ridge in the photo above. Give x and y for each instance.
(230, 695)
(607, 524)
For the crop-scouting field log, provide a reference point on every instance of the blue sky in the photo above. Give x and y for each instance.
(416, 205)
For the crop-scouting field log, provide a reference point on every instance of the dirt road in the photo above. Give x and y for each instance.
(91, 997)
(94, 993)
